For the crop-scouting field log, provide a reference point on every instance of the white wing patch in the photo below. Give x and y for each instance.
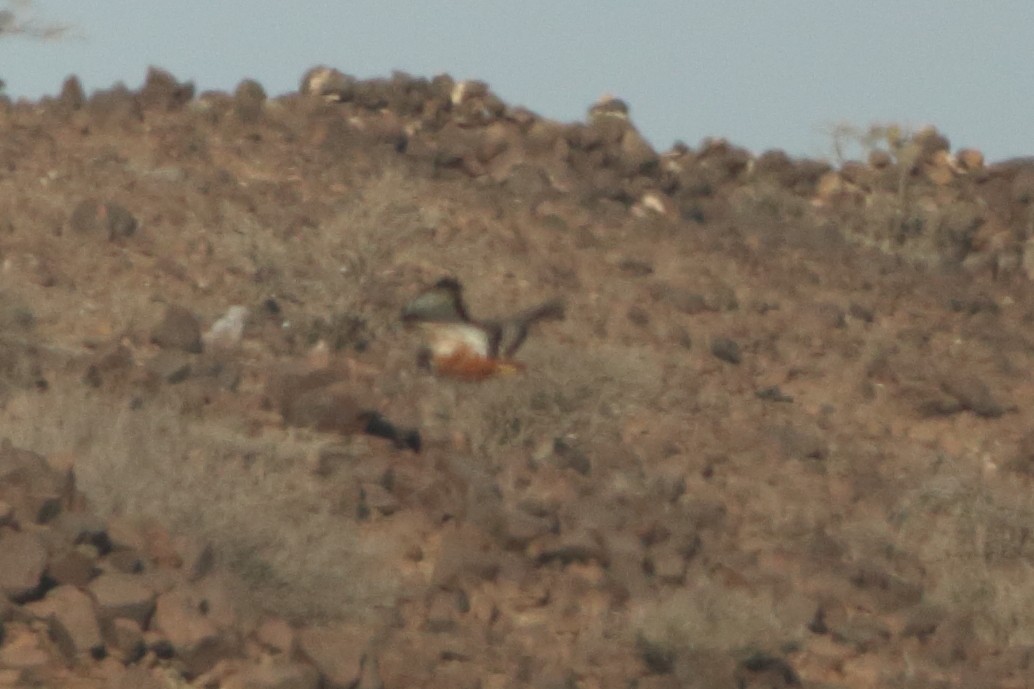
(447, 339)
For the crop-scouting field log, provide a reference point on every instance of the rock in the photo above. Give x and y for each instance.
(520, 528)
(336, 651)
(161, 91)
(571, 545)
(862, 633)
(726, 349)
(684, 300)
(764, 670)
(635, 268)
(73, 567)
(973, 394)
(249, 100)
(110, 362)
(121, 595)
(23, 559)
(23, 650)
(274, 675)
(328, 84)
(178, 329)
(138, 677)
(970, 159)
(71, 620)
(83, 527)
(1023, 459)
(375, 497)
(668, 564)
(888, 591)
(35, 490)
(170, 366)
(773, 394)
(277, 634)
(464, 551)
(108, 218)
(637, 155)
(126, 639)
(195, 639)
(126, 560)
(922, 621)
(116, 107)
(610, 106)
(226, 332)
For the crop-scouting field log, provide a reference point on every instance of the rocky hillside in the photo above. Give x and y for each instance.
(780, 439)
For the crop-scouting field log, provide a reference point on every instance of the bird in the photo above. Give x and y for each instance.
(459, 346)
(322, 400)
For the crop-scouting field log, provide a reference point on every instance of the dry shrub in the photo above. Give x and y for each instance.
(712, 618)
(973, 536)
(763, 203)
(563, 393)
(254, 501)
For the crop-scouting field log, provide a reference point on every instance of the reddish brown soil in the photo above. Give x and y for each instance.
(780, 439)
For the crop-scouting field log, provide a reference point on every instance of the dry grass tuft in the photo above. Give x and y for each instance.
(255, 502)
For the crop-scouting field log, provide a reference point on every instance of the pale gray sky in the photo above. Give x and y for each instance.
(772, 74)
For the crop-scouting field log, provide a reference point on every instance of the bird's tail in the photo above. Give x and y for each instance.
(380, 427)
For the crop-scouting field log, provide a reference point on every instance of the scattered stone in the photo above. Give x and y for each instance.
(862, 633)
(766, 670)
(378, 499)
(117, 107)
(73, 567)
(108, 218)
(122, 595)
(922, 621)
(161, 91)
(277, 634)
(464, 551)
(23, 559)
(72, 622)
(773, 394)
(328, 84)
(336, 651)
(726, 349)
(126, 639)
(226, 332)
(35, 490)
(195, 639)
(972, 394)
(170, 366)
(1023, 460)
(23, 649)
(889, 591)
(126, 560)
(178, 329)
(110, 362)
(137, 677)
(970, 159)
(249, 101)
(274, 675)
(635, 268)
(571, 545)
(667, 564)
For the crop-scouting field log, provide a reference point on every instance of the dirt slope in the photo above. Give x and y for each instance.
(781, 438)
